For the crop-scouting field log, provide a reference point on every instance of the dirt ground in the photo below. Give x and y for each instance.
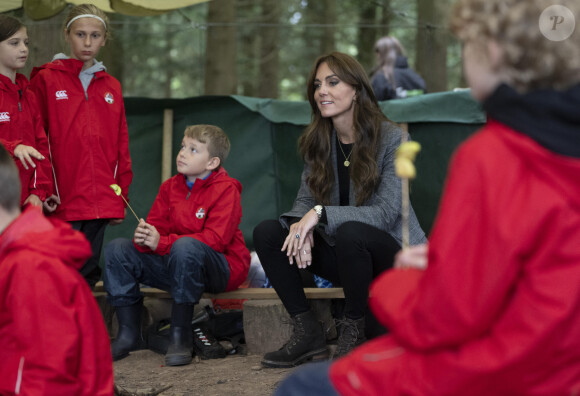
(144, 373)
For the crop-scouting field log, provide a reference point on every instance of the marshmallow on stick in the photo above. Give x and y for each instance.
(117, 191)
(405, 169)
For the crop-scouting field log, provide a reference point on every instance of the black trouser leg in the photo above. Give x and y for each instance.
(94, 231)
(363, 252)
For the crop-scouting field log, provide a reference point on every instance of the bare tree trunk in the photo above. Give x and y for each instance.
(45, 39)
(112, 54)
(220, 58)
(271, 11)
(328, 43)
(385, 20)
(367, 36)
(431, 61)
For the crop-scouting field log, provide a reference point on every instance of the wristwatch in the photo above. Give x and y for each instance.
(318, 210)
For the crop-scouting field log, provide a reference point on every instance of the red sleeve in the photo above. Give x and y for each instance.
(124, 174)
(42, 186)
(38, 88)
(466, 283)
(10, 145)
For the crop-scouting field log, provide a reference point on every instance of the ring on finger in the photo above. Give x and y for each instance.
(297, 236)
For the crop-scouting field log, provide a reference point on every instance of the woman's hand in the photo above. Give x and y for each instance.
(298, 234)
(412, 257)
(51, 203)
(304, 256)
(26, 154)
(146, 235)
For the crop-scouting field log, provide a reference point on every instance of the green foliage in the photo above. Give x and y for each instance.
(163, 56)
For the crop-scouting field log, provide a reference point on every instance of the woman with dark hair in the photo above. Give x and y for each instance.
(345, 224)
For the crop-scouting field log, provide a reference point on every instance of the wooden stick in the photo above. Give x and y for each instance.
(166, 153)
(129, 206)
(405, 202)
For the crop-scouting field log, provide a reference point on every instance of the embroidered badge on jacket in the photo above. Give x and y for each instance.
(109, 98)
(200, 213)
(60, 95)
(5, 116)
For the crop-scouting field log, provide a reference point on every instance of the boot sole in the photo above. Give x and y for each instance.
(319, 354)
(178, 360)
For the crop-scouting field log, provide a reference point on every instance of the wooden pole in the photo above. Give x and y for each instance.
(167, 155)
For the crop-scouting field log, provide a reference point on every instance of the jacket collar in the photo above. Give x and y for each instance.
(549, 117)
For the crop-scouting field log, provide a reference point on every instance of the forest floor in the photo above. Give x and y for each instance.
(143, 373)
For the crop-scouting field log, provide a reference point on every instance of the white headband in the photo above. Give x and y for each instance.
(86, 16)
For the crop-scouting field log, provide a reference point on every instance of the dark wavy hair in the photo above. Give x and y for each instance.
(9, 26)
(315, 142)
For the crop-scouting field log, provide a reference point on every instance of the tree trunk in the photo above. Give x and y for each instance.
(367, 36)
(328, 43)
(431, 61)
(112, 53)
(385, 19)
(46, 39)
(269, 32)
(220, 58)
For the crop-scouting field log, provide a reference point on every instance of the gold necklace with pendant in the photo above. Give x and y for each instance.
(346, 161)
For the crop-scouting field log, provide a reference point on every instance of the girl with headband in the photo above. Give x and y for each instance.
(84, 118)
(21, 131)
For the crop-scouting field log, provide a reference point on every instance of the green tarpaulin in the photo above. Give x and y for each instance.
(264, 155)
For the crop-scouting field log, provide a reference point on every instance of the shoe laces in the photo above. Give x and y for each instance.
(348, 336)
(203, 337)
(297, 332)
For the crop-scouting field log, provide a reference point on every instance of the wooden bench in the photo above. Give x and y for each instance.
(266, 322)
(251, 293)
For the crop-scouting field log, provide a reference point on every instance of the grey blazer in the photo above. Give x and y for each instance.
(382, 210)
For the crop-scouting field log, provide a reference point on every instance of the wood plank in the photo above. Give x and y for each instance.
(252, 293)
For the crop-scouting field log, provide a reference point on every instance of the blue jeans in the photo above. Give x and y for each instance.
(190, 268)
(310, 379)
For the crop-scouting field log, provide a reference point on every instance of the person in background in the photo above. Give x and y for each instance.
(84, 117)
(491, 306)
(21, 131)
(393, 78)
(52, 334)
(345, 224)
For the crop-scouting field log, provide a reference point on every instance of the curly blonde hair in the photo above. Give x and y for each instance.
(530, 60)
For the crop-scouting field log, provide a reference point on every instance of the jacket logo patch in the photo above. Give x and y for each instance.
(5, 116)
(60, 95)
(200, 214)
(109, 98)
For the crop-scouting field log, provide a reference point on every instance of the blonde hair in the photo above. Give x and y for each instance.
(530, 60)
(218, 143)
(87, 9)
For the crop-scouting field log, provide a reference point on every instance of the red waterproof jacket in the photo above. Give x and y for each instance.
(497, 312)
(53, 340)
(211, 213)
(88, 138)
(20, 123)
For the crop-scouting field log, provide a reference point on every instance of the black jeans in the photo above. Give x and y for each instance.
(361, 252)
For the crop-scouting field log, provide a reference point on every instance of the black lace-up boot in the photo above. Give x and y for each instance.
(129, 337)
(307, 342)
(351, 334)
